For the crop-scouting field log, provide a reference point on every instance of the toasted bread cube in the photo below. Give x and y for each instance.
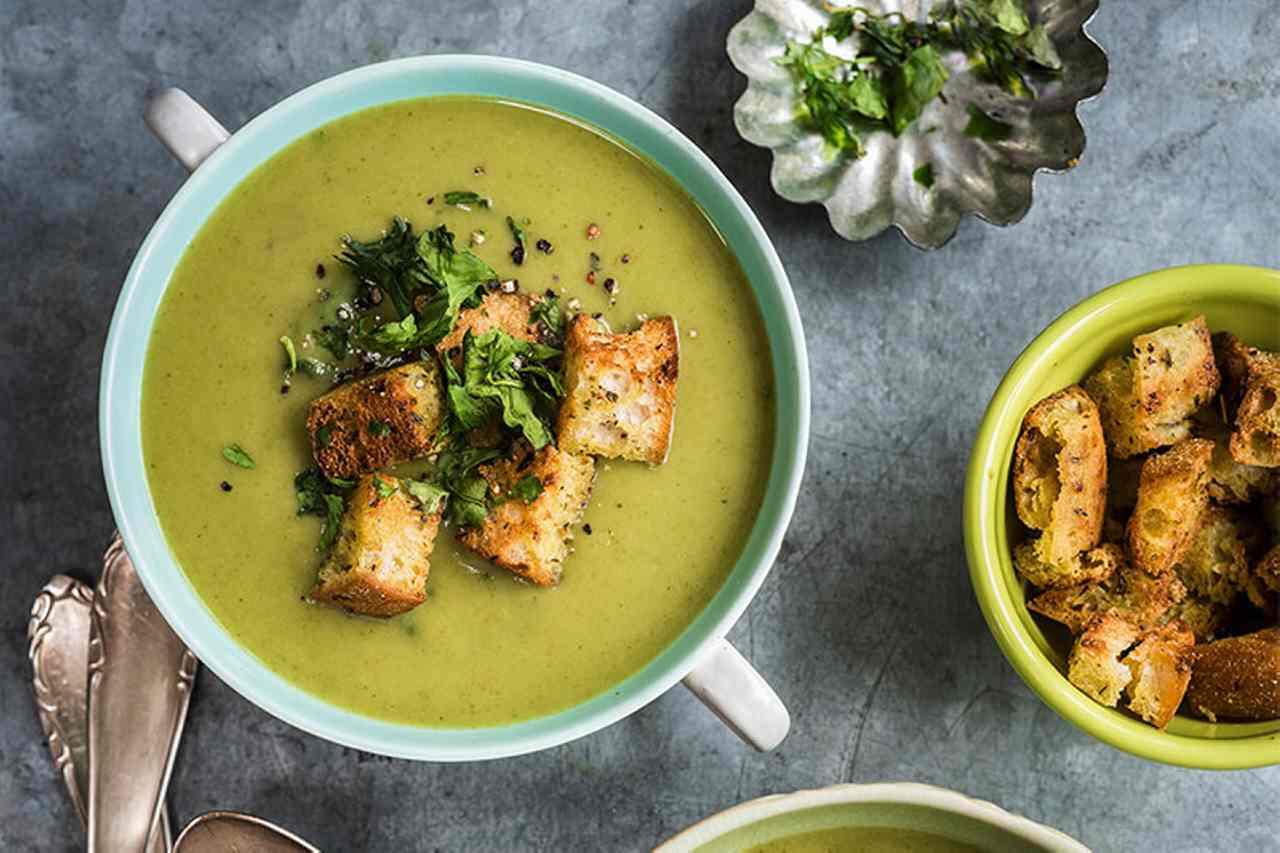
(1201, 616)
(1256, 439)
(1233, 356)
(1267, 570)
(1128, 592)
(1237, 677)
(1217, 565)
(510, 312)
(1094, 665)
(1093, 566)
(620, 390)
(1236, 483)
(1147, 397)
(381, 420)
(1160, 670)
(1060, 477)
(1172, 495)
(532, 539)
(379, 563)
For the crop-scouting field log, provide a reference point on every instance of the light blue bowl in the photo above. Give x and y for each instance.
(122, 368)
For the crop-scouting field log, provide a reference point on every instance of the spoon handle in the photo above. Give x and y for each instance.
(140, 680)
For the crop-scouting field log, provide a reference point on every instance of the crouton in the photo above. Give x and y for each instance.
(1256, 439)
(531, 539)
(378, 565)
(510, 312)
(1201, 616)
(1147, 397)
(1233, 482)
(1092, 566)
(1128, 592)
(1217, 564)
(1060, 477)
(1094, 665)
(1160, 670)
(1172, 494)
(1237, 677)
(620, 390)
(1267, 569)
(381, 420)
(1232, 356)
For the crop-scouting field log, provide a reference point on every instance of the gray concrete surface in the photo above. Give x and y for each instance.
(867, 625)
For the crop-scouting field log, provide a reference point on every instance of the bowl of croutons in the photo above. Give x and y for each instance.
(1122, 516)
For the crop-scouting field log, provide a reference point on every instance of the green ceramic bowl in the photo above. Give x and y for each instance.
(1244, 300)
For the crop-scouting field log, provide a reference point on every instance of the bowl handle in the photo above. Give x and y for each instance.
(736, 693)
(185, 127)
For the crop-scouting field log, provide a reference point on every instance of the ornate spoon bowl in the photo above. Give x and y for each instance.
(989, 178)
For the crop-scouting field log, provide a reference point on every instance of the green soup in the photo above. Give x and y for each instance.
(484, 649)
(863, 839)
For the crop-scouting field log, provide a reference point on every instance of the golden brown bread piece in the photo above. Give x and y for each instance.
(1232, 356)
(620, 390)
(1201, 616)
(1232, 482)
(1256, 439)
(1237, 677)
(510, 312)
(1160, 669)
(1060, 479)
(1172, 495)
(1094, 665)
(378, 565)
(1147, 397)
(1267, 570)
(381, 420)
(532, 539)
(1095, 565)
(1129, 592)
(1217, 565)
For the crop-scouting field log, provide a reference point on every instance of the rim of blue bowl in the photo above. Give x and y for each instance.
(450, 74)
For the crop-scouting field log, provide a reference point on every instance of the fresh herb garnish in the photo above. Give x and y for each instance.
(336, 339)
(504, 376)
(324, 435)
(465, 198)
(379, 429)
(428, 495)
(983, 126)
(896, 69)
(468, 492)
(391, 264)
(517, 234)
(924, 176)
(382, 487)
(236, 455)
(319, 496)
(546, 314)
(290, 353)
(527, 489)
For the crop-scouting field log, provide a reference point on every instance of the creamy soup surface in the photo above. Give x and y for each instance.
(484, 649)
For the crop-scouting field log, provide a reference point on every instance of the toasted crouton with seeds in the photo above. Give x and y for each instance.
(1146, 397)
(378, 565)
(1233, 356)
(620, 390)
(531, 537)
(1172, 494)
(1060, 476)
(1129, 592)
(1093, 566)
(1267, 570)
(383, 419)
(1094, 665)
(1233, 482)
(1217, 564)
(1201, 616)
(510, 312)
(1237, 677)
(1256, 439)
(1160, 670)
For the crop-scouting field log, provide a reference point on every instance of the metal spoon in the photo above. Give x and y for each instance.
(58, 637)
(140, 680)
(232, 832)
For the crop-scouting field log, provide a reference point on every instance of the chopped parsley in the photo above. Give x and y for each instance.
(379, 429)
(924, 176)
(236, 455)
(517, 234)
(527, 489)
(428, 495)
(382, 487)
(319, 496)
(290, 353)
(507, 377)
(466, 198)
(548, 317)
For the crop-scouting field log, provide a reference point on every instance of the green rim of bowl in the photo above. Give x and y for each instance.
(1161, 296)
(515, 80)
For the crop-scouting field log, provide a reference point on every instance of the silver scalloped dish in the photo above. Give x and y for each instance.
(864, 196)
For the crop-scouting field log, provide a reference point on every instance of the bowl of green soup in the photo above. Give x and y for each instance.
(274, 270)
(876, 818)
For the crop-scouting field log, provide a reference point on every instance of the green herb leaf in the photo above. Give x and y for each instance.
(319, 496)
(315, 367)
(428, 495)
(983, 126)
(504, 376)
(290, 353)
(468, 504)
(334, 507)
(866, 95)
(379, 429)
(460, 276)
(382, 487)
(917, 82)
(236, 455)
(324, 435)
(1040, 49)
(517, 234)
(527, 489)
(465, 198)
(336, 339)
(546, 314)
(390, 263)
(924, 176)
(393, 336)
(1008, 15)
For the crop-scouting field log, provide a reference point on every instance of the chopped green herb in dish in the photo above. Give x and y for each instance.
(983, 126)
(924, 176)
(466, 198)
(527, 489)
(236, 455)
(517, 234)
